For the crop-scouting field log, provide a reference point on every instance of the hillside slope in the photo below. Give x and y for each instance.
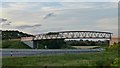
(14, 44)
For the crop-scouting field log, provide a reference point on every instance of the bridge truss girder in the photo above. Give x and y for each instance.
(74, 35)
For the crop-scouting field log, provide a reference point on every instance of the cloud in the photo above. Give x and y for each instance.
(108, 23)
(17, 6)
(4, 21)
(63, 16)
(60, 0)
(93, 5)
(48, 15)
(27, 26)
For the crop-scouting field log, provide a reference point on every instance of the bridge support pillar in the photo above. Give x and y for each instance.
(34, 44)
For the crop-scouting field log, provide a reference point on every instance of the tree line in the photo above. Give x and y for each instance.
(62, 44)
(10, 34)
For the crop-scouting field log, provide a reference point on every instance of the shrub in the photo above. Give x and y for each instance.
(115, 46)
(116, 62)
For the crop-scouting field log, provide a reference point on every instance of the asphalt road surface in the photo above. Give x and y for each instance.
(31, 52)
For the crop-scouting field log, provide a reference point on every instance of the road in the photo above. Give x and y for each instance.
(31, 52)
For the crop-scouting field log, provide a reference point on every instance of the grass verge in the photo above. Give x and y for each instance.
(84, 59)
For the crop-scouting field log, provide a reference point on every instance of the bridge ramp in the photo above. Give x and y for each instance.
(29, 41)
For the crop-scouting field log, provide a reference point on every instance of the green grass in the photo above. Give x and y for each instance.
(14, 44)
(0, 43)
(105, 58)
(84, 59)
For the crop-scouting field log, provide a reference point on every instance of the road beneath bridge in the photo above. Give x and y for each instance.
(32, 52)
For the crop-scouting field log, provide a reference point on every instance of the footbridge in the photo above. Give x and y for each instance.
(31, 41)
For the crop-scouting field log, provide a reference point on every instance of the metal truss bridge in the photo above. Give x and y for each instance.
(71, 35)
(32, 41)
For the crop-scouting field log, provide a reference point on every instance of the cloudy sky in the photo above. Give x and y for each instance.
(41, 17)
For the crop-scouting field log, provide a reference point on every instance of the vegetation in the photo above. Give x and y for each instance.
(102, 59)
(11, 39)
(72, 44)
(6, 35)
(116, 62)
(115, 46)
(52, 44)
(14, 44)
(87, 43)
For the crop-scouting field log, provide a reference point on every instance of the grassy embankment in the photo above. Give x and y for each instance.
(106, 58)
(14, 44)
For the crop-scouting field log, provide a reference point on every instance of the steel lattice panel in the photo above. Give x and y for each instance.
(75, 35)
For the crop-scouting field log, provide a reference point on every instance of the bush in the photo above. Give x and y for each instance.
(116, 62)
(115, 46)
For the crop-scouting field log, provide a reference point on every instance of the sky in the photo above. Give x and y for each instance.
(60, 0)
(41, 17)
